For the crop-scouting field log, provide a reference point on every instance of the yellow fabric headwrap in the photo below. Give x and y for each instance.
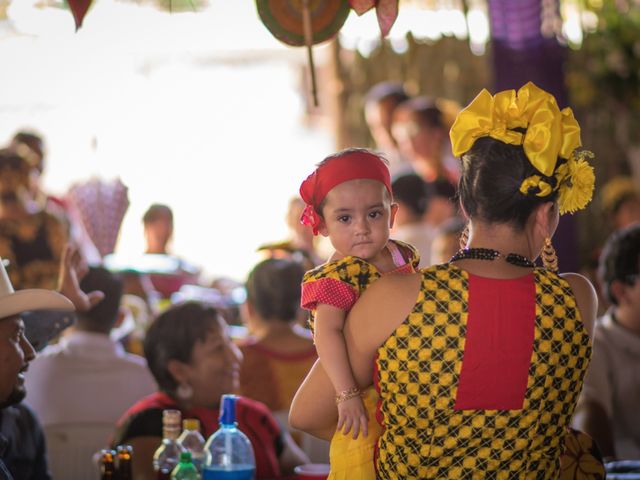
(549, 134)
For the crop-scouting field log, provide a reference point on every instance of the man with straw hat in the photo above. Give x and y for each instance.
(15, 349)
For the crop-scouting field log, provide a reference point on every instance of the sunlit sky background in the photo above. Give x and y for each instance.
(201, 111)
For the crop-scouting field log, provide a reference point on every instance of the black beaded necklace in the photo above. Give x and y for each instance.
(490, 254)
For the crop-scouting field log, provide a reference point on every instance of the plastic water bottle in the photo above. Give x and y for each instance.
(229, 451)
(192, 441)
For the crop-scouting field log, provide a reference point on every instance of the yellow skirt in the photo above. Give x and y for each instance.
(353, 459)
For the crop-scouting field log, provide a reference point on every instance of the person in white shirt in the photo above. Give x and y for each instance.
(88, 378)
(608, 406)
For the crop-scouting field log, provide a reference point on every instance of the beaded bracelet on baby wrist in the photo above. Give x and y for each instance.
(347, 395)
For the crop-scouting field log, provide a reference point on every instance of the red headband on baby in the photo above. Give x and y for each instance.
(339, 169)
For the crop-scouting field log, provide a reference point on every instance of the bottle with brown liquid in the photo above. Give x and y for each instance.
(125, 457)
(107, 465)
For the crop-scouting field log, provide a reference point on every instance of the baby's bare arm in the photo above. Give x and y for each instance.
(332, 350)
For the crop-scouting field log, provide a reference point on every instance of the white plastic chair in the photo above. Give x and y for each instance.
(71, 448)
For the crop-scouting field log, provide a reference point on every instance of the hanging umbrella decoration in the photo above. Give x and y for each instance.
(101, 206)
(308, 22)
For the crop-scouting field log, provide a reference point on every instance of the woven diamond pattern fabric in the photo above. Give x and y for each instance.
(419, 366)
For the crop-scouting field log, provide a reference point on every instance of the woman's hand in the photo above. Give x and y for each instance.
(352, 416)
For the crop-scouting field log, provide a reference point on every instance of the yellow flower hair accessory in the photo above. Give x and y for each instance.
(576, 181)
(548, 134)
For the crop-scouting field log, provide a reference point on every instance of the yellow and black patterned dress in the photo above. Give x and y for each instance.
(340, 283)
(481, 379)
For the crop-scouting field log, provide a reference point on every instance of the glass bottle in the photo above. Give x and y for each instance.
(107, 465)
(192, 440)
(229, 451)
(124, 454)
(185, 470)
(167, 455)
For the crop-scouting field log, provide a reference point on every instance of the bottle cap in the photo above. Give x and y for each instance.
(171, 418)
(228, 410)
(185, 457)
(191, 424)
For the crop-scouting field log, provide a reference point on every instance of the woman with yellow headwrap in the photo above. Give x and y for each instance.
(478, 362)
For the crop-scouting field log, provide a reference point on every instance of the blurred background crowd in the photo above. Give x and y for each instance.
(178, 184)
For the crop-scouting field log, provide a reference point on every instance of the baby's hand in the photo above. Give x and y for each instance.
(352, 415)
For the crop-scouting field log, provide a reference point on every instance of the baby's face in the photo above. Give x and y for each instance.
(357, 216)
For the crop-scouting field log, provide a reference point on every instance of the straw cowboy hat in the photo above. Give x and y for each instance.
(13, 303)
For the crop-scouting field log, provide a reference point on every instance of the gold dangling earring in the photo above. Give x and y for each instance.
(549, 257)
(464, 237)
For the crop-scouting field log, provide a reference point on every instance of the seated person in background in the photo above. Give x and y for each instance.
(22, 445)
(194, 362)
(608, 406)
(300, 246)
(621, 202)
(279, 353)
(172, 272)
(379, 104)
(412, 194)
(446, 240)
(31, 238)
(87, 378)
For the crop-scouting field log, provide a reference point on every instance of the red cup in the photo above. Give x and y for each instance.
(312, 471)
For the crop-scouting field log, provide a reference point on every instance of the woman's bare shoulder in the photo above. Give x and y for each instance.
(586, 298)
(385, 303)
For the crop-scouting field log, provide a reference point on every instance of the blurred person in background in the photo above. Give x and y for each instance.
(30, 145)
(278, 353)
(379, 104)
(300, 244)
(32, 238)
(412, 194)
(194, 362)
(421, 129)
(87, 359)
(621, 202)
(446, 240)
(608, 405)
(167, 272)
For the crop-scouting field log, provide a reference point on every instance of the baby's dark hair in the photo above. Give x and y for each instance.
(620, 259)
(489, 187)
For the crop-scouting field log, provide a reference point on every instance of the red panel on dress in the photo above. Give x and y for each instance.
(498, 345)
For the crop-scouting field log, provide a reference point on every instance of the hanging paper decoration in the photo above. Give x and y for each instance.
(386, 11)
(79, 9)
